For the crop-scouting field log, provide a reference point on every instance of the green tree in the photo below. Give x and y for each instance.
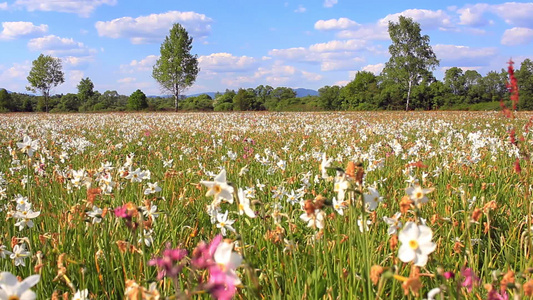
(69, 102)
(329, 97)
(524, 76)
(494, 86)
(455, 80)
(411, 55)
(362, 89)
(137, 101)
(5, 100)
(45, 74)
(243, 100)
(176, 68)
(85, 89)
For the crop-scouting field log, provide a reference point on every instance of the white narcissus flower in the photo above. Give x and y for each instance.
(19, 254)
(152, 188)
(324, 164)
(244, 204)
(314, 220)
(416, 244)
(28, 146)
(372, 199)
(340, 187)
(219, 188)
(228, 261)
(339, 206)
(224, 223)
(95, 214)
(11, 288)
(81, 295)
(394, 223)
(418, 194)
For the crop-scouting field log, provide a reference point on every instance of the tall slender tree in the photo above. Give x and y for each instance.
(176, 68)
(45, 74)
(412, 58)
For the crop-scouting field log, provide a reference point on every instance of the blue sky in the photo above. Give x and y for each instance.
(245, 43)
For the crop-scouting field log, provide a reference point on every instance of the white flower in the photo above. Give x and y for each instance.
(372, 200)
(363, 227)
(416, 244)
(314, 220)
(433, 293)
(3, 251)
(418, 194)
(168, 163)
(147, 237)
(96, 214)
(340, 187)
(224, 223)
(28, 146)
(244, 204)
(394, 223)
(18, 255)
(11, 288)
(81, 295)
(152, 188)
(339, 206)
(228, 261)
(219, 188)
(326, 163)
(151, 213)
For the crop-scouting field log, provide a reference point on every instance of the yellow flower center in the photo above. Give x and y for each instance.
(413, 244)
(419, 195)
(217, 188)
(222, 224)
(13, 297)
(241, 207)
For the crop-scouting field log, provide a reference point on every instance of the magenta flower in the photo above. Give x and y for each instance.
(494, 295)
(449, 275)
(470, 279)
(122, 212)
(203, 255)
(170, 264)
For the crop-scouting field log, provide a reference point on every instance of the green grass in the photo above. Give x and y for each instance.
(472, 149)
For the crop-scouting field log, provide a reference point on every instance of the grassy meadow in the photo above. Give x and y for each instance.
(370, 205)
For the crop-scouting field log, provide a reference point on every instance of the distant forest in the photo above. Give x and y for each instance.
(458, 90)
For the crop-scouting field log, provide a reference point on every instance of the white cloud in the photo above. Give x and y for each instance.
(126, 80)
(14, 78)
(514, 13)
(375, 69)
(83, 8)
(472, 15)
(300, 9)
(225, 62)
(454, 55)
(335, 24)
(13, 30)
(332, 46)
(428, 19)
(76, 62)
(3, 6)
(330, 3)
(153, 28)
(341, 83)
(310, 76)
(72, 79)
(517, 36)
(144, 65)
(57, 46)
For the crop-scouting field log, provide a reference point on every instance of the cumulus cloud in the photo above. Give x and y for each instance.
(126, 80)
(84, 8)
(375, 69)
(310, 76)
(454, 55)
(333, 46)
(14, 78)
(226, 62)
(428, 19)
(153, 28)
(517, 36)
(335, 24)
(144, 65)
(3, 6)
(514, 13)
(333, 55)
(330, 3)
(57, 46)
(472, 15)
(13, 30)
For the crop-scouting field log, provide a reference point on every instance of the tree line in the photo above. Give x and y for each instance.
(406, 81)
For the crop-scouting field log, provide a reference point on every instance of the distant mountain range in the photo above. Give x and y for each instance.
(300, 92)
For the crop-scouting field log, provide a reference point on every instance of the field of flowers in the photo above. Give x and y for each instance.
(375, 205)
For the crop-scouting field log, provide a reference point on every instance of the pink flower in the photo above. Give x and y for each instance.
(470, 279)
(203, 255)
(169, 264)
